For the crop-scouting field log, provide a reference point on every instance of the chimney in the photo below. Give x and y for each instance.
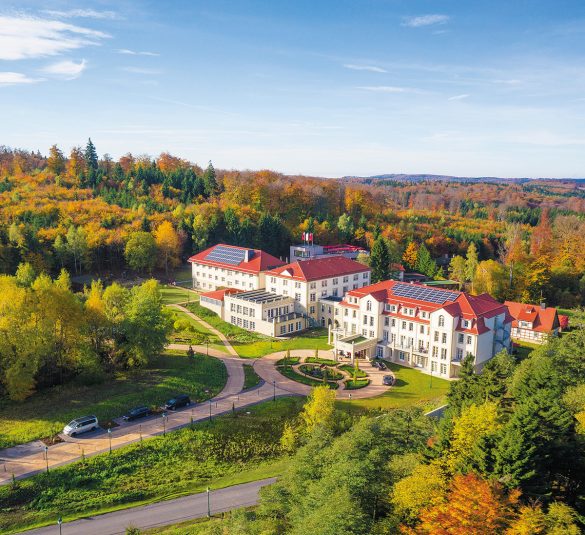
(247, 255)
(543, 305)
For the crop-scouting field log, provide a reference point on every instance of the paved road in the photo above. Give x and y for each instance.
(162, 513)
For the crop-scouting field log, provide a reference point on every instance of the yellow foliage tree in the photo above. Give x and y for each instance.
(168, 244)
(319, 409)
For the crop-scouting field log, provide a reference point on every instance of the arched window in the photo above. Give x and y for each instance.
(441, 321)
(369, 305)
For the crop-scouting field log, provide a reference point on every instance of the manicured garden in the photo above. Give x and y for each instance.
(228, 451)
(320, 371)
(253, 345)
(412, 388)
(288, 371)
(46, 412)
(189, 331)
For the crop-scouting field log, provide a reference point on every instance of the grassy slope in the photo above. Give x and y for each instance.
(251, 345)
(175, 294)
(251, 378)
(186, 337)
(45, 413)
(226, 452)
(412, 388)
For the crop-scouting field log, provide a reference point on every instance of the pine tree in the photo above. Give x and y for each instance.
(56, 160)
(424, 262)
(91, 157)
(210, 181)
(471, 262)
(380, 260)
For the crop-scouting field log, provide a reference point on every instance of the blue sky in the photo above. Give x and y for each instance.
(326, 88)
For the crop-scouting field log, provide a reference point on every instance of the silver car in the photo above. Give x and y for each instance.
(81, 425)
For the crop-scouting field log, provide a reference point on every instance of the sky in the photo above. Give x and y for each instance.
(323, 88)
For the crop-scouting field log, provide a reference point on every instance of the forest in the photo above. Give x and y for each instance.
(85, 213)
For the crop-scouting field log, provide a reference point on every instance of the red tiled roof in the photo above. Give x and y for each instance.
(219, 295)
(260, 260)
(543, 319)
(319, 268)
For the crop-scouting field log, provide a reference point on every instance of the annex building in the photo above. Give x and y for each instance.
(427, 328)
(533, 323)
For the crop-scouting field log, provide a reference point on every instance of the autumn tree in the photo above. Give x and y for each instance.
(471, 262)
(56, 161)
(76, 164)
(168, 244)
(410, 255)
(491, 277)
(140, 251)
(424, 262)
(457, 270)
(319, 409)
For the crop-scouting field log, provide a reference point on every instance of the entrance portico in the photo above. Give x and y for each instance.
(352, 346)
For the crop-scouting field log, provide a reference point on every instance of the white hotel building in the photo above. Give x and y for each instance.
(415, 325)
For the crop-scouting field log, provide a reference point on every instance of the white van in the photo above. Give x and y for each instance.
(81, 425)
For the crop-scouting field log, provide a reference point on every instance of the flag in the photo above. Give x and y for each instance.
(304, 239)
(311, 237)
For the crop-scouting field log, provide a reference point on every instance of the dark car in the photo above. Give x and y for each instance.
(382, 366)
(137, 412)
(388, 380)
(177, 402)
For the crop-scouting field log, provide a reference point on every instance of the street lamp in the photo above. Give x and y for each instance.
(274, 394)
(110, 437)
(47, 457)
(164, 419)
(59, 522)
(350, 397)
(210, 410)
(208, 505)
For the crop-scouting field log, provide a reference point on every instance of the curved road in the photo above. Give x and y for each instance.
(162, 513)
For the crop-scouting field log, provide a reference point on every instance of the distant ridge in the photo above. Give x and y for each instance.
(398, 177)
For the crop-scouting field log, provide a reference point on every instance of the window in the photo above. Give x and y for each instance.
(365, 319)
(323, 283)
(312, 310)
(345, 279)
(282, 329)
(459, 353)
(386, 321)
(371, 334)
(252, 325)
(401, 355)
(460, 338)
(365, 276)
(444, 338)
(365, 332)
(355, 277)
(436, 336)
(441, 321)
(385, 336)
(312, 298)
(313, 285)
(411, 326)
(393, 322)
(297, 284)
(465, 323)
(422, 329)
(297, 296)
(435, 351)
(444, 353)
(404, 325)
(433, 366)
(335, 281)
(443, 369)
(368, 306)
(371, 321)
(469, 340)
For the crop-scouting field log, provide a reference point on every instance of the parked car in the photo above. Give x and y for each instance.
(177, 402)
(375, 364)
(382, 366)
(137, 412)
(388, 380)
(81, 425)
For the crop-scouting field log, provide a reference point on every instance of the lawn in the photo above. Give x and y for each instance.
(411, 388)
(174, 294)
(195, 334)
(350, 384)
(251, 378)
(228, 451)
(45, 413)
(523, 349)
(291, 374)
(252, 345)
(351, 370)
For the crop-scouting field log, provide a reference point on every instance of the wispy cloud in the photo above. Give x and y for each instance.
(16, 78)
(389, 89)
(66, 69)
(82, 14)
(141, 70)
(23, 37)
(459, 97)
(370, 68)
(135, 52)
(425, 20)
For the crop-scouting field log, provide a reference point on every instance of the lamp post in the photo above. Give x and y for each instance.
(350, 397)
(164, 419)
(431, 385)
(47, 457)
(110, 437)
(59, 522)
(208, 505)
(274, 393)
(210, 410)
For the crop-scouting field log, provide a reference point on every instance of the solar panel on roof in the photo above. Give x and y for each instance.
(429, 295)
(228, 255)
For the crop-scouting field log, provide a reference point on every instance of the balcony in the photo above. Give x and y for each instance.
(285, 317)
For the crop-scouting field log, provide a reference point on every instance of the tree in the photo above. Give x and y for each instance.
(76, 164)
(56, 161)
(380, 260)
(319, 409)
(140, 251)
(471, 262)
(457, 270)
(473, 505)
(25, 275)
(168, 244)
(491, 277)
(210, 181)
(77, 247)
(91, 157)
(346, 227)
(424, 262)
(410, 254)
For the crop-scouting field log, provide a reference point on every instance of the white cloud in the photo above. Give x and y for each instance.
(141, 70)
(370, 68)
(389, 89)
(67, 69)
(28, 37)
(459, 97)
(15, 78)
(82, 14)
(425, 20)
(136, 53)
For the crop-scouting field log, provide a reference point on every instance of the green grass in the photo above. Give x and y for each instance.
(226, 452)
(198, 526)
(196, 333)
(350, 384)
(318, 360)
(291, 374)
(251, 378)
(290, 361)
(315, 371)
(252, 345)
(523, 349)
(174, 294)
(412, 388)
(46, 412)
(351, 370)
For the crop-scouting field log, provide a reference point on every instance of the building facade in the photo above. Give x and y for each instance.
(228, 266)
(310, 281)
(533, 323)
(414, 325)
(308, 251)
